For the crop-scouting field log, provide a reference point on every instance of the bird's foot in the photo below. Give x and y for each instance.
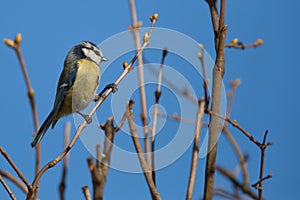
(112, 86)
(87, 118)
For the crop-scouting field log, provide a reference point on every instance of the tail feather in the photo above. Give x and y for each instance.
(43, 129)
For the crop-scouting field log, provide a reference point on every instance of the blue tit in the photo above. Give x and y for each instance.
(77, 85)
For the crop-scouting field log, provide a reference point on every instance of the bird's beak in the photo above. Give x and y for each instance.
(103, 59)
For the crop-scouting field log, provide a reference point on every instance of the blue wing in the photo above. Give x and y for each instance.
(66, 81)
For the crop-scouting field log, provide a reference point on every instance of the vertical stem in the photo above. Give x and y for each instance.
(195, 153)
(136, 35)
(30, 93)
(214, 126)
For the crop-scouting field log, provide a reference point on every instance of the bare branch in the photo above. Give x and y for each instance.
(14, 180)
(195, 153)
(8, 190)
(259, 184)
(12, 164)
(136, 35)
(86, 192)
(235, 182)
(157, 95)
(235, 44)
(218, 73)
(15, 45)
(239, 154)
(62, 184)
(145, 166)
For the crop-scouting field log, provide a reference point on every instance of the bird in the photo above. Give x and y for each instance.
(77, 85)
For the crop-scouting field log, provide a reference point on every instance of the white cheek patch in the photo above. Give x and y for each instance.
(92, 55)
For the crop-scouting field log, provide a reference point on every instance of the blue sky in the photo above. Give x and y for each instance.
(267, 99)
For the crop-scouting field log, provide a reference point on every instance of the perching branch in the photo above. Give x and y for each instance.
(195, 153)
(127, 69)
(62, 184)
(145, 166)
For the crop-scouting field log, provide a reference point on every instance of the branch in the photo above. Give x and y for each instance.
(12, 164)
(62, 184)
(86, 192)
(205, 81)
(157, 95)
(136, 35)
(127, 69)
(214, 129)
(235, 44)
(14, 180)
(235, 124)
(195, 153)
(15, 45)
(8, 190)
(235, 182)
(239, 154)
(184, 91)
(145, 166)
(100, 170)
(259, 184)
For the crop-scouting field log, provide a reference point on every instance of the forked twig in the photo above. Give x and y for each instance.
(15, 45)
(145, 166)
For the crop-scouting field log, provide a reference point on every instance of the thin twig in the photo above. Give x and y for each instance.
(157, 95)
(235, 182)
(263, 147)
(235, 124)
(62, 184)
(176, 118)
(184, 91)
(195, 153)
(14, 180)
(121, 123)
(8, 190)
(86, 192)
(235, 44)
(256, 185)
(239, 154)
(226, 194)
(145, 166)
(205, 81)
(127, 69)
(12, 164)
(136, 36)
(15, 45)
